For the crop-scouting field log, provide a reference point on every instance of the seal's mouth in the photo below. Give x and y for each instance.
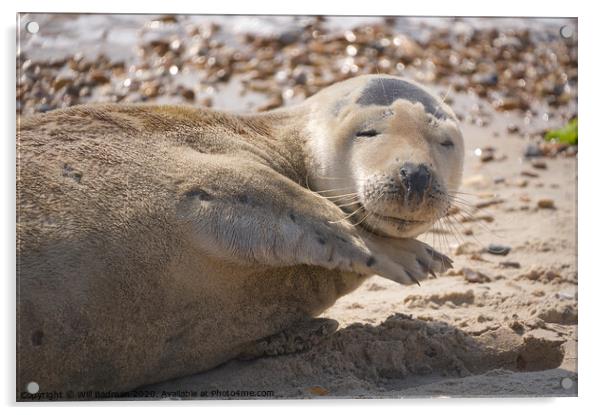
(366, 216)
(395, 220)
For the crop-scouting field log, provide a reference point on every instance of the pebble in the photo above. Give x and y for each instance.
(61, 82)
(509, 264)
(528, 173)
(488, 79)
(188, 94)
(497, 249)
(476, 218)
(99, 77)
(487, 203)
(288, 37)
(532, 150)
(478, 181)
(522, 183)
(275, 102)
(571, 151)
(43, 108)
(565, 296)
(467, 248)
(517, 326)
(539, 164)
(486, 154)
(474, 276)
(207, 102)
(537, 273)
(150, 89)
(546, 204)
(539, 293)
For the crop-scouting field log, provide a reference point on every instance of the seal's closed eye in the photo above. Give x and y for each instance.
(447, 144)
(367, 133)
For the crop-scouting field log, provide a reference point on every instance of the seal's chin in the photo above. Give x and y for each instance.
(391, 226)
(396, 227)
(398, 221)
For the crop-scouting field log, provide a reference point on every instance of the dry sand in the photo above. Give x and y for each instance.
(510, 332)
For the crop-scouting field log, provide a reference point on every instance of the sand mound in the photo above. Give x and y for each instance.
(369, 360)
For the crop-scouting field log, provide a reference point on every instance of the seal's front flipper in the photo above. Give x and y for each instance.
(418, 259)
(300, 337)
(262, 218)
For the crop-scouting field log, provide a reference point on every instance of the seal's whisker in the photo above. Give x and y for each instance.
(455, 233)
(347, 216)
(469, 206)
(474, 237)
(355, 202)
(465, 206)
(336, 178)
(382, 84)
(441, 236)
(338, 189)
(339, 198)
(363, 219)
(449, 88)
(459, 199)
(467, 216)
(368, 212)
(459, 196)
(343, 199)
(307, 186)
(467, 210)
(464, 214)
(456, 192)
(445, 226)
(439, 109)
(436, 238)
(432, 232)
(464, 226)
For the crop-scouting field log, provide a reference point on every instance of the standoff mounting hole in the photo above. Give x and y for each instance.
(566, 32)
(566, 383)
(33, 387)
(32, 27)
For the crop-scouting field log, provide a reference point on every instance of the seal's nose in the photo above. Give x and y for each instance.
(416, 179)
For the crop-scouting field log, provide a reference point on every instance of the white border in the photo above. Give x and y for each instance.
(590, 211)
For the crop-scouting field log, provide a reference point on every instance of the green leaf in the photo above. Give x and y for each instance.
(566, 134)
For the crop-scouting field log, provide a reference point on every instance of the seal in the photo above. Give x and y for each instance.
(160, 241)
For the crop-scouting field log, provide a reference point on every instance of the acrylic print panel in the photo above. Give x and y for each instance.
(241, 207)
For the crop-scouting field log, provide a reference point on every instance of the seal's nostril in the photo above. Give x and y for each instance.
(416, 178)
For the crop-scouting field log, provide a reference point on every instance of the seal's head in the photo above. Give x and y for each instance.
(386, 151)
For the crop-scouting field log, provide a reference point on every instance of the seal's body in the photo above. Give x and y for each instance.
(160, 241)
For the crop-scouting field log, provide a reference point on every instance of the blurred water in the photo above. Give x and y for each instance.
(117, 35)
